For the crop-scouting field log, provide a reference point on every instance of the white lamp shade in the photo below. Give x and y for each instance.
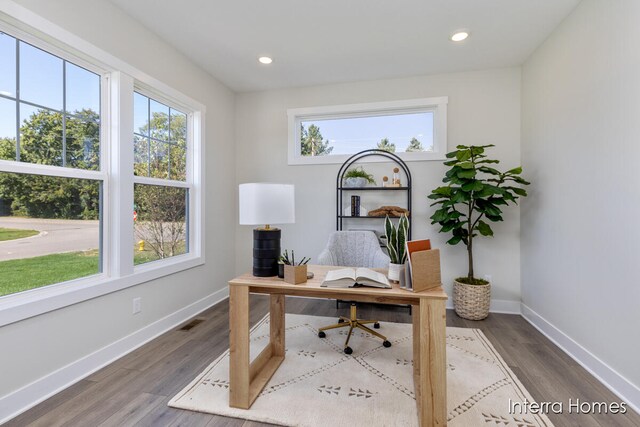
(266, 203)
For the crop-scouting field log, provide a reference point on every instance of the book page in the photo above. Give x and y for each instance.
(369, 277)
(343, 273)
(342, 278)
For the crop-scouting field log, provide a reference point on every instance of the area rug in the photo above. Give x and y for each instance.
(319, 385)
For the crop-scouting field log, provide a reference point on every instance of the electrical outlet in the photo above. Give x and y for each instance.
(137, 305)
(487, 277)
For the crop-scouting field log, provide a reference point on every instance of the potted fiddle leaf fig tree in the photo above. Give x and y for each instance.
(396, 245)
(473, 197)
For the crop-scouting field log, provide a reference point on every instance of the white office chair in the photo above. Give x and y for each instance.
(354, 249)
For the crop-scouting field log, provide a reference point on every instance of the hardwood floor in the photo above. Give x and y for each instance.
(135, 389)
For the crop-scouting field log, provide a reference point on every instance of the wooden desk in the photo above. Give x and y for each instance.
(247, 379)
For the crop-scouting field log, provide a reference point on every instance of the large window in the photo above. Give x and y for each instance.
(413, 129)
(160, 199)
(51, 182)
(100, 176)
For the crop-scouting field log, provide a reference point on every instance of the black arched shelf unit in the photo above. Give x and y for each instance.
(351, 161)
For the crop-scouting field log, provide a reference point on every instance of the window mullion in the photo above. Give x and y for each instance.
(120, 213)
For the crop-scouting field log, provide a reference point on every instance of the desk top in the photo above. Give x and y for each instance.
(275, 285)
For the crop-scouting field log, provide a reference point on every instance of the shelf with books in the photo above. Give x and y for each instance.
(354, 208)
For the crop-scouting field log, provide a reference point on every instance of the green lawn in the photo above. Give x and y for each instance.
(23, 274)
(19, 275)
(13, 233)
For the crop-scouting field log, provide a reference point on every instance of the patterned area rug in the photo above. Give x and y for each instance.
(318, 385)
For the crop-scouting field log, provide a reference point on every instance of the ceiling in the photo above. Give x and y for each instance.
(328, 41)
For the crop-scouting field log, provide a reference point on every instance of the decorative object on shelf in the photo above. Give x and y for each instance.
(393, 211)
(266, 203)
(363, 211)
(294, 273)
(385, 181)
(475, 191)
(395, 182)
(344, 193)
(396, 245)
(357, 177)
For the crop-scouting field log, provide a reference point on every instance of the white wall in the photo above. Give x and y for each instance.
(484, 107)
(39, 346)
(580, 239)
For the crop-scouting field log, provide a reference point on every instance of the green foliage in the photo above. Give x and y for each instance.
(39, 196)
(312, 143)
(359, 172)
(385, 145)
(162, 159)
(414, 145)
(475, 192)
(397, 239)
(41, 143)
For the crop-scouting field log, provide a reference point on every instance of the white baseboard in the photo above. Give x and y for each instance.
(611, 379)
(30, 395)
(497, 306)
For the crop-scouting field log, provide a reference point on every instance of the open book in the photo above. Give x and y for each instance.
(354, 277)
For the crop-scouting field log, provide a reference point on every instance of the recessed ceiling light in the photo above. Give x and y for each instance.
(265, 60)
(459, 36)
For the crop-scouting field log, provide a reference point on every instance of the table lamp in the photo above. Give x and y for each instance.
(266, 204)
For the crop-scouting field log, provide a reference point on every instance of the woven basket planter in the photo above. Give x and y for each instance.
(471, 301)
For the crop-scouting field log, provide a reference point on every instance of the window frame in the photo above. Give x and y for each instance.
(436, 105)
(162, 182)
(118, 80)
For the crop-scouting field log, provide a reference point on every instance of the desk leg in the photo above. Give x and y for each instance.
(429, 326)
(276, 317)
(239, 379)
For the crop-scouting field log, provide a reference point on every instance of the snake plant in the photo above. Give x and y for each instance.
(397, 239)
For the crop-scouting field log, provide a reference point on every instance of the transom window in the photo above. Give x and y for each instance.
(413, 129)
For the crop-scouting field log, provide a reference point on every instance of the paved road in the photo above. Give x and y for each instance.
(56, 235)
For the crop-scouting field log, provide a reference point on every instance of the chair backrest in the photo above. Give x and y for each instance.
(354, 249)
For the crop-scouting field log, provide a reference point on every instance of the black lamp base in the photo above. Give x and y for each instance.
(266, 251)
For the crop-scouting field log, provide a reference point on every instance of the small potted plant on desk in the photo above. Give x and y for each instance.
(475, 192)
(357, 177)
(294, 273)
(396, 239)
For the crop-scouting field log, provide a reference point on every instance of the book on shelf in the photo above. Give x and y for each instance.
(355, 277)
(355, 205)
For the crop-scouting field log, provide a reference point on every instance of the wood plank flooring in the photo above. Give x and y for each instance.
(135, 389)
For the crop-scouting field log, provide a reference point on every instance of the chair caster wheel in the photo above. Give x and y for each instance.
(386, 344)
(376, 325)
(321, 334)
(347, 350)
(340, 320)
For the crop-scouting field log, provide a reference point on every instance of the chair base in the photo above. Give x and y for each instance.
(353, 322)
